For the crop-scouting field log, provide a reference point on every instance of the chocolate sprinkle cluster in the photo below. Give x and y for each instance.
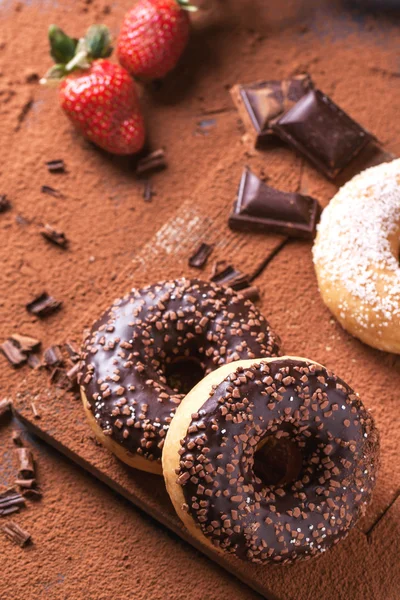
(292, 399)
(128, 352)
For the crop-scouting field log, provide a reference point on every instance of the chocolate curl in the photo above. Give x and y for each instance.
(26, 466)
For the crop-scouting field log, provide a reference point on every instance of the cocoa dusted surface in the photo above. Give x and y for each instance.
(236, 41)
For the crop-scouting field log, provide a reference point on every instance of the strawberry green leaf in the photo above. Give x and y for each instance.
(62, 47)
(98, 41)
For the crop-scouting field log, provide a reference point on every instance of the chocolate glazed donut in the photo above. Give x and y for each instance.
(128, 386)
(210, 450)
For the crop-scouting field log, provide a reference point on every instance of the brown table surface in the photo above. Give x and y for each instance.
(104, 216)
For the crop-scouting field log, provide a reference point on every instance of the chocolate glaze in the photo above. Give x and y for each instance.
(291, 399)
(129, 349)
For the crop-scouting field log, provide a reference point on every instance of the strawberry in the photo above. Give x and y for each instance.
(153, 36)
(98, 97)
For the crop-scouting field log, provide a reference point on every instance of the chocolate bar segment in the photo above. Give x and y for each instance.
(259, 207)
(322, 132)
(261, 103)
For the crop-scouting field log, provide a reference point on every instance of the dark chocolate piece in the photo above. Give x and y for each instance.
(152, 162)
(4, 203)
(56, 166)
(322, 132)
(232, 278)
(52, 356)
(25, 343)
(54, 236)
(13, 354)
(43, 305)
(26, 465)
(5, 407)
(200, 256)
(16, 534)
(259, 104)
(47, 189)
(259, 207)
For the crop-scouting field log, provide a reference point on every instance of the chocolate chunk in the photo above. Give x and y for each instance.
(26, 465)
(13, 354)
(322, 132)
(232, 278)
(16, 438)
(47, 189)
(54, 236)
(52, 356)
(200, 256)
(10, 499)
(5, 407)
(152, 162)
(25, 343)
(259, 104)
(260, 207)
(56, 166)
(43, 305)
(16, 534)
(4, 203)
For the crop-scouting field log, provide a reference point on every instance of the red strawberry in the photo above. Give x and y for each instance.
(153, 36)
(99, 97)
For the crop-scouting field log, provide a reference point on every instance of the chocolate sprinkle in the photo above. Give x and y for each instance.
(47, 189)
(132, 347)
(154, 161)
(56, 166)
(54, 236)
(4, 203)
(292, 399)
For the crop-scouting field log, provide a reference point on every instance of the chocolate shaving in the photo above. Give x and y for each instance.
(54, 236)
(16, 438)
(152, 162)
(56, 166)
(36, 414)
(72, 373)
(34, 361)
(148, 191)
(43, 305)
(25, 343)
(26, 465)
(47, 189)
(13, 354)
(53, 357)
(10, 500)
(200, 256)
(32, 492)
(4, 203)
(58, 377)
(72, 350)
(5, 407)
(25, 483)
(16, 534)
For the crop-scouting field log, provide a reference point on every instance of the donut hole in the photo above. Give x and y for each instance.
(277, 461)
(183, 374)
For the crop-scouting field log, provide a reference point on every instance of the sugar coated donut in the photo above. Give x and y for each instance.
(149, 348)
(209, 459)
(356, 256)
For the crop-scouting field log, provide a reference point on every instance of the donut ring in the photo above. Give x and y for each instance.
(356, 256)
(126, 395)
(209, 455)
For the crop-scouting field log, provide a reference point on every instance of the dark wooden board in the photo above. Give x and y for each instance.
(290, 298)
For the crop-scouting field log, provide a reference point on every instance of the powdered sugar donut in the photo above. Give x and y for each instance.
(356, 256)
